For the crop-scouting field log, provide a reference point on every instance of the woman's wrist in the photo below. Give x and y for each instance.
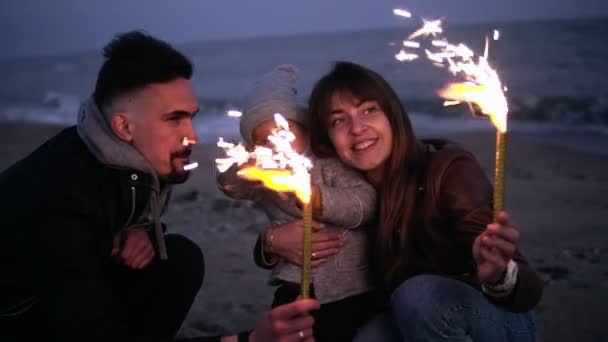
(268, 240)
(504, 287)
(269, 257)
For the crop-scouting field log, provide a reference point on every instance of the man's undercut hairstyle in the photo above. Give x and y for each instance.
(132, 61)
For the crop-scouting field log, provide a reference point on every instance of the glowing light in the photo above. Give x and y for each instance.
(405, 56)
(234, 113)
(280, 169)
(402, 13)
(188, 142)
(191, 166)
(411, 44)
(429, 28)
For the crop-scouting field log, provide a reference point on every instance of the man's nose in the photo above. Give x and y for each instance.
(191, 131)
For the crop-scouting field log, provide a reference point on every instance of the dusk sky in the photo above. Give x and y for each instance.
(34, 27)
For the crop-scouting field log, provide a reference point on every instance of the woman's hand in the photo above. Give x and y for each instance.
(493, 249)
(287, 242)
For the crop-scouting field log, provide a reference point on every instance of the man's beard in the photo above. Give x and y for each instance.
(177, 176)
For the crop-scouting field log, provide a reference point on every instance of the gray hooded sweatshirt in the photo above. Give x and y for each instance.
(94, 129)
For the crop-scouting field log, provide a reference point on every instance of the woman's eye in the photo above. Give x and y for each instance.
(336, 122)
(370, 110)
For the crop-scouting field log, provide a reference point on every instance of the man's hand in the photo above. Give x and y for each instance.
(289, 322)
(132, 247)
(493, 248)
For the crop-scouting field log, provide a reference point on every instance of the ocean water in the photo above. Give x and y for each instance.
(556, 72)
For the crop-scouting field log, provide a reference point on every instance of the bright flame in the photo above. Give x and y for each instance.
(481, 85)
(280, 168)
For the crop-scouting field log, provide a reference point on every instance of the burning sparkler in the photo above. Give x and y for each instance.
(481, 88)
(280, 169)
(187, 142)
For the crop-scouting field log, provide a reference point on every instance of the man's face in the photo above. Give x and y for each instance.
(161, 117)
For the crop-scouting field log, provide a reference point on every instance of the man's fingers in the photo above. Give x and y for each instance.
(143, 258)
(300, 335)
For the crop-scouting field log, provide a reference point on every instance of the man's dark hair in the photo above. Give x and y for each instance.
(134, 60)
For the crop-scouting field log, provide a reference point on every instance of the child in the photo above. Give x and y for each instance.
(342, 200)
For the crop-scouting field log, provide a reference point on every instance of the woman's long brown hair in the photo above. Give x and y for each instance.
(397, 196)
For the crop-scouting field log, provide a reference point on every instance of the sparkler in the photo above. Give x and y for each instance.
(280, 169)
(187, 142)
(481, 88)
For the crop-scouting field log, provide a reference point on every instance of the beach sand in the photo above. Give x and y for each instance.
(556, 195)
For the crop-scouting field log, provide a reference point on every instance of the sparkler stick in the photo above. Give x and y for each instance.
(282, 170)
(482, 87)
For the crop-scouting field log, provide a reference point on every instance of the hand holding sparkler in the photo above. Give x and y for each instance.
(481, 87)
(280, 169)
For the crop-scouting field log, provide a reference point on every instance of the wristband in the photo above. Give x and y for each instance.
(505, 287)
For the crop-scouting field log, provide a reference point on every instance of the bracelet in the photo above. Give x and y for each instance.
(270, 239)
(273, 258)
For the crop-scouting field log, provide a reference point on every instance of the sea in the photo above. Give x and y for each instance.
(556, 73)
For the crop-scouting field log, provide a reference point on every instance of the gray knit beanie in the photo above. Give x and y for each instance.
(274, 93)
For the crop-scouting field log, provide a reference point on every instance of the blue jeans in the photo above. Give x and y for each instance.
(435, 308)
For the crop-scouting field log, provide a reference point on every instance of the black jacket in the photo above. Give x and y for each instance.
(60, 210)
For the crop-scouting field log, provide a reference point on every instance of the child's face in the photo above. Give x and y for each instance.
(262, 131)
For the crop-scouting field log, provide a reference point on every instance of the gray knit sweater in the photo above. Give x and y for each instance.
(349, 202)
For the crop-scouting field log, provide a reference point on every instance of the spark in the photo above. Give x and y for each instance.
(412, 44)
(234, 113)
(191, 166)
(405, 56)
(402, 13)
(429, 28)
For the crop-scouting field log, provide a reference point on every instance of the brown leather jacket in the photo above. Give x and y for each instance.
(454, 205)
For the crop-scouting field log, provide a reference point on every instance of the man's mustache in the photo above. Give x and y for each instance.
(185, 153)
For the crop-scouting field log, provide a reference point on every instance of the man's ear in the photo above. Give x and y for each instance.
(122, 126)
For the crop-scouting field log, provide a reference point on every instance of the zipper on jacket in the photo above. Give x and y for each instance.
(132, 209)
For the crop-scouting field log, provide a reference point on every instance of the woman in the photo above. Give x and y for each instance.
(449, 272)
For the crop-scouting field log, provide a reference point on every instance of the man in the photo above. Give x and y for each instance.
(83, 253)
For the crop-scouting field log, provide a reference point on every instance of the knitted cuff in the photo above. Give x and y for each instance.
(506, 286)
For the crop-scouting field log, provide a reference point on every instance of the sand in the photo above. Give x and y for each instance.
(556, 195)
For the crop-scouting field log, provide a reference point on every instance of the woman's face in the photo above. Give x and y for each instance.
(360, 132)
